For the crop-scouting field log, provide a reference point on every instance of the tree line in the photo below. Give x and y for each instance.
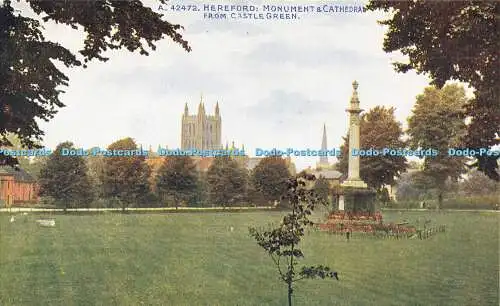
(76, 181)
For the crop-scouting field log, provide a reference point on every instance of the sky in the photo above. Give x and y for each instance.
(277, 81)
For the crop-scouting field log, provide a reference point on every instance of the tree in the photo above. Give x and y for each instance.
(477, 183)
(125, 178)
(270, 176)
(378, 130)
(35, 165)
(226, 181)
(383, 196)
(30, 82)
(32, 164)
(64, 178)
(405, 189)
(322, 188)
(428, 129)
(414, 186)
(177, 178)
(201, 193)
(281, 242)
(453, 40)
(95, 165)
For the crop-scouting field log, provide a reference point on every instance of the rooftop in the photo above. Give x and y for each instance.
(19, 174)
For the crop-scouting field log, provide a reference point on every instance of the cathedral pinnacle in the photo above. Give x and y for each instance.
(186, 110)
(201, 109)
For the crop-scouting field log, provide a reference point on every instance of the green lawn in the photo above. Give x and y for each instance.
(194, 259)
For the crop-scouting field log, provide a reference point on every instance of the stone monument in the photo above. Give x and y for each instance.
(356, 195)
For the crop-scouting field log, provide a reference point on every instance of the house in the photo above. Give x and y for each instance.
(16, 186)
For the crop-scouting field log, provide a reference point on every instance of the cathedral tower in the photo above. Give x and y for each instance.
(201, 131)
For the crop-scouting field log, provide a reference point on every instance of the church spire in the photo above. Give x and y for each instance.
(217, 109)
(323, 160)
(186, 110)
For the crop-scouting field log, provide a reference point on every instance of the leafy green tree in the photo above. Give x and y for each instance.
(270, 176)
(64, 179)
(35, 165)
(383, 196)
(378, 130)
(254, 195)
(428, 129)
(95, 165)
(415, 186)
(32, 164)
(15, 144)
(201, 194)
(226, 181)
(282, 242)
(125, 178)
(30, 82)
(405, 189)
(177, 178)
(322, 188)
(477, 183)
(453, 40)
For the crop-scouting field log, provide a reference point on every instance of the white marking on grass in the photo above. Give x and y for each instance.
(46, 222)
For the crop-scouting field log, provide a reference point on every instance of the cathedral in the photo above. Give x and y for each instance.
(201, 131)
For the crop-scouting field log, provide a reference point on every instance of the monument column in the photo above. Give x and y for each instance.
(356, 196)
(353, 178)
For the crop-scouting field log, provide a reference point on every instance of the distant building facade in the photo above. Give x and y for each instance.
(16, 186)
(201, 131)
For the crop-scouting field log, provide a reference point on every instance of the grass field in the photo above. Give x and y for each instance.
(194, 259)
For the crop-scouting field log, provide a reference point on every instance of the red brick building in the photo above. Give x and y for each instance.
(16, 186)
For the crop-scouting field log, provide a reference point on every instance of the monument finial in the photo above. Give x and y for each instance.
(354, 98)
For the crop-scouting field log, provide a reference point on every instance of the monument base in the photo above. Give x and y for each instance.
(357, 199)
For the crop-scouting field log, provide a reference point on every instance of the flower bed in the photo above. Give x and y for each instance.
(356, 226)
(371, 226)
(360, 216)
